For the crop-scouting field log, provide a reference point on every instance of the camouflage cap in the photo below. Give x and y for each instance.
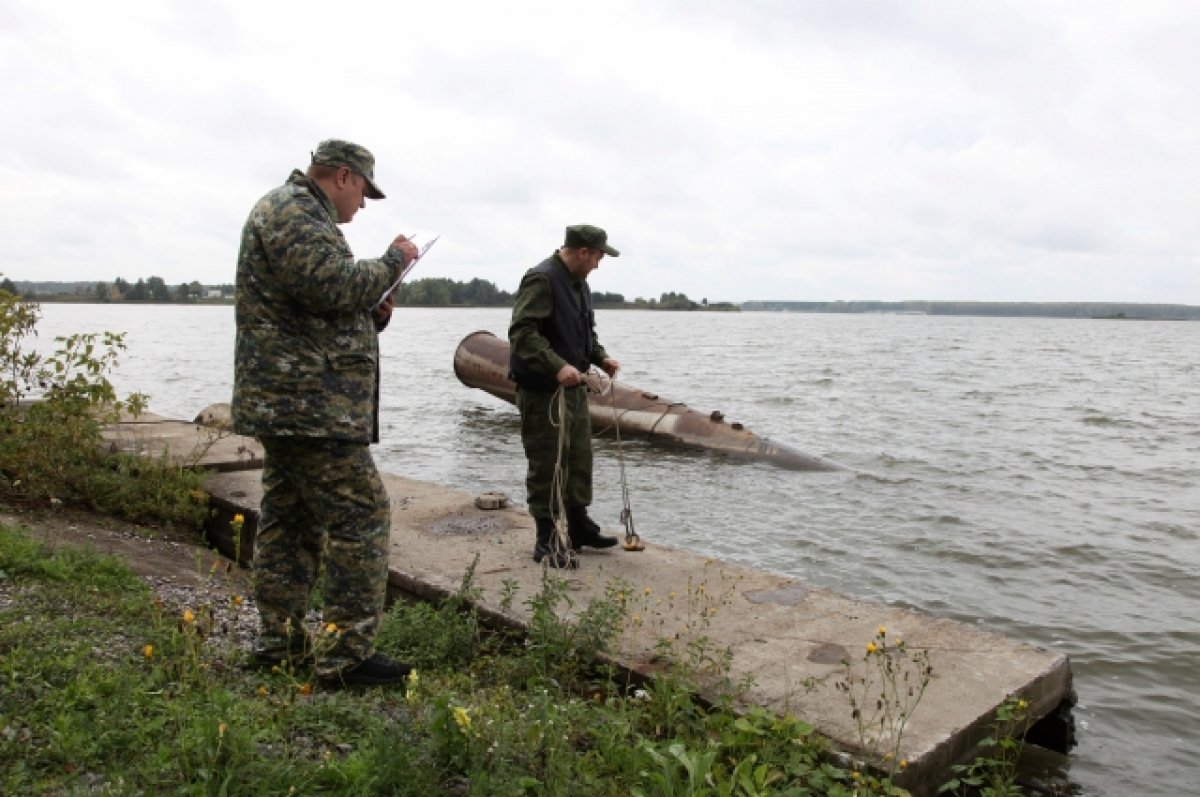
(335, 152)
(587, 236)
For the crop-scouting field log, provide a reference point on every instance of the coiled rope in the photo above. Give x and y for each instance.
(600, 384)
(561, 543)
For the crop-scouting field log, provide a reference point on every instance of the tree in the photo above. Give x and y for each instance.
(139, 292)
(482, 292)
(442, 292)
(158, 290)
(122, 286)
(10, 286)
(676, 301)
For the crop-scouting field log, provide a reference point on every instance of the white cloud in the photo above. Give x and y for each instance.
(1020, 151)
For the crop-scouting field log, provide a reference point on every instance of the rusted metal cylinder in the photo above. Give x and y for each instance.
(481, 361)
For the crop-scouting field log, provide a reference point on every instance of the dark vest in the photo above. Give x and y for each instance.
(569, 329)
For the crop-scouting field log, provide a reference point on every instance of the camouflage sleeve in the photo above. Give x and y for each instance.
(534, 304)
(310, 261)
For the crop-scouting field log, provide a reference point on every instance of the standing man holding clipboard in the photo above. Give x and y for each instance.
(306, 384)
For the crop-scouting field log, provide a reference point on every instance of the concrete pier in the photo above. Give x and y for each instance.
(788, 639)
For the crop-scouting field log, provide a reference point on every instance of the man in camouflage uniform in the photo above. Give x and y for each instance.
(553, 339)
(306, 384)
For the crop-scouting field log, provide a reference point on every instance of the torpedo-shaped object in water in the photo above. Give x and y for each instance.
(481, 361)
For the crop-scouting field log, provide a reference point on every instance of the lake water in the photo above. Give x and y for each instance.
(1037, 477)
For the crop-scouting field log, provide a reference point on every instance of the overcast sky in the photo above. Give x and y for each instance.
(1026, 151)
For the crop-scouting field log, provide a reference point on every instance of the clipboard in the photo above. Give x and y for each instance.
(404, 272)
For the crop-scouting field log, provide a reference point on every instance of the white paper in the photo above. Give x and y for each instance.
(404, 272)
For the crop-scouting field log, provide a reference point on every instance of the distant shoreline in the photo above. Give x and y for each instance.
(1131, 311)
(1099, 311)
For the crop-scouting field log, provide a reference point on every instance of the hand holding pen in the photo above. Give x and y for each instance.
(407, 248)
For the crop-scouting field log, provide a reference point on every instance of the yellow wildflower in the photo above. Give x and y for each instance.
(306, 689)
(239, 519)
(882, 631)
(262, 691)
(188, 616)
(647, 591)
(331, 628)
(904, 763)
(462, 717)
(410, 693)
(1022, 704)
(221, 730)
(872, 647)
(236, 600)
(148, 651)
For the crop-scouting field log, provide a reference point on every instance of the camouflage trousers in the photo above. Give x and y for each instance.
(323, 501)
(540, 426)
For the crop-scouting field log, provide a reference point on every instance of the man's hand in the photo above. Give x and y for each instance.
(610, 367)
(406, 247)
(569, 376)
(383, 313)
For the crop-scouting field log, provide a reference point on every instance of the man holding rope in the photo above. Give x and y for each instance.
(554, 343)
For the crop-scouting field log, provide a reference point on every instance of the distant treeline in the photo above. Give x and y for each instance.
(427, 292)
(1015, 309)
(441, 292)
(149, 289)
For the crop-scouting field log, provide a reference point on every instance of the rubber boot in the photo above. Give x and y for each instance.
(585, 531)
(550, 548)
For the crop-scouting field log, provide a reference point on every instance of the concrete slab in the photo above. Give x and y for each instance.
(787, 639)
(198, 445)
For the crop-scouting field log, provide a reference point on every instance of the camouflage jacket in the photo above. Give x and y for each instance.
(306, 361)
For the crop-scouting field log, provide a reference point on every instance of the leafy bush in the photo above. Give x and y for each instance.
(52, 410)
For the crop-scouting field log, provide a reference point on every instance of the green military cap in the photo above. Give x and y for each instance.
(335, 152)
(587, 236)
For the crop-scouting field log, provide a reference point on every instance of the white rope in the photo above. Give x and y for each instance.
(602, 385)
(558, 507)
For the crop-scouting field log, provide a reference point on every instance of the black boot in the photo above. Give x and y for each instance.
(585, 531)
(550, 547)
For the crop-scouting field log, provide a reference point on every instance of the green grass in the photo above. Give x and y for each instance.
(85, 710)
